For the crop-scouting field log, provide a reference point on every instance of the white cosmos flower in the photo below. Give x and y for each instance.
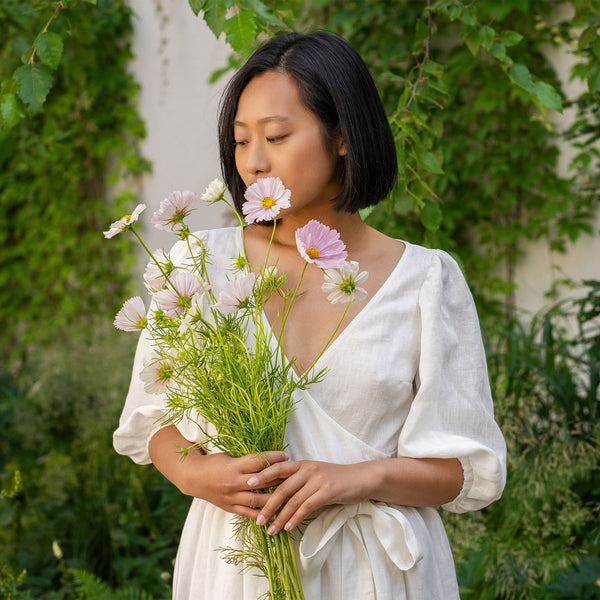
(214, 192)
(132, 316)
(235, 294)
(342, 284)
(124, 222)
(154, 279)
(156, 374)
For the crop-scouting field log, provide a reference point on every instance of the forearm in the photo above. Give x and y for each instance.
(165, 452)
(308, 485)
(411, 481)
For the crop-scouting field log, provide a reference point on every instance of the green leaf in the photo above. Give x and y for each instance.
(547, 96)
(520, 75)
(34, 82)
(49, 48)
(510, 38)
(593, 78)
(241, 32)
(473, 43)
(587, 35)
(265, 14)
(431, 216)
(486, 37)
(10, 111)
(596, 47)
(197, 6)
(215, 13)
(428, 161)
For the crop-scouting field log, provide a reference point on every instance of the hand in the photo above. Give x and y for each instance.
(222, 480)
(218, 478)
(306, 486)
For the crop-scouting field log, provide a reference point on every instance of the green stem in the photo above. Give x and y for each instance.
(286, 313)
(332, 335)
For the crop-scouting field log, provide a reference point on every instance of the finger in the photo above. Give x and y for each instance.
(262, 460)
(291, 490)
(273, 475)
(296, 509)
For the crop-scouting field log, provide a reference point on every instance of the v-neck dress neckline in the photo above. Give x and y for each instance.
(368, 306)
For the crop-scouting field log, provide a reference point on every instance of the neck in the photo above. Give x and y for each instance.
(349, 225)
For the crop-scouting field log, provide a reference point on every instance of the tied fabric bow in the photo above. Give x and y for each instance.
(369, 533)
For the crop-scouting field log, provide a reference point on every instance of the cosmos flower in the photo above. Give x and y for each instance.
(124, 222)
(132, 316)
(156, 374)
(235, 294)
(177, 296)
(321, 245)
(193, 314)
(154, 275)
(214, 192)
(264, 199)
(173, 210)
(342, 284)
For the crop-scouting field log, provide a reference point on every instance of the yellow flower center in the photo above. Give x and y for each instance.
(268, 202)
(313, 252)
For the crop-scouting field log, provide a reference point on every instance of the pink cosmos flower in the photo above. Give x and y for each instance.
(132, 317)
(156, 374)
(321, 245)
(193, 314)
(177, 296)
(235, 294)
(342, 285)
(173, 210)
(264, 199)
(124, 222)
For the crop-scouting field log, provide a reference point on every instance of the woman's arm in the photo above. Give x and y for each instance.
(218, 478)
(309, 485)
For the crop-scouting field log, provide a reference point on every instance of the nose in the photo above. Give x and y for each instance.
(257, 160)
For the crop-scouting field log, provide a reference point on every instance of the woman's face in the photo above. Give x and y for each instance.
(277, 136)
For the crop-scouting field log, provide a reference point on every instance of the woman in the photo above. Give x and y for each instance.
(402, 421)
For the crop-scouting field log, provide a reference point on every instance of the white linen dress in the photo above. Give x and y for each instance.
(406, 377)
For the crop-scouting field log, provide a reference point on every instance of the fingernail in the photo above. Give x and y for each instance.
(252, 481)
(288, 526)
(287, 456)
(272, 530)
(260, 520)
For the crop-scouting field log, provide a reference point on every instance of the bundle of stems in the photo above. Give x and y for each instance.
(220, 366)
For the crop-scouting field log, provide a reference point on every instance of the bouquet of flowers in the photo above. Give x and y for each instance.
(213, 357)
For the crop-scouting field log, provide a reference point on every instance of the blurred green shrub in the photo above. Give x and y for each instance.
(111, 518)
(60, 169)
(542, 539)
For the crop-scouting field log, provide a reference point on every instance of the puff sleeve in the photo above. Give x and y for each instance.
(452, 414)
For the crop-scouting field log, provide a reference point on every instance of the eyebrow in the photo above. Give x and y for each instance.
(263, 120)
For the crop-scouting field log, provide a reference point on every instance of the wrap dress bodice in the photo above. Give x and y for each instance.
(406, 377)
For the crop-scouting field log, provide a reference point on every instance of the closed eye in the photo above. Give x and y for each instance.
(240, 143)
(276, 138)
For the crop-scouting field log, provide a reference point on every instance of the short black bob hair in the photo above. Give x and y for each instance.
(335, 84)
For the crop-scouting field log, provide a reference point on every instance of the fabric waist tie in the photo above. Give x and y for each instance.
(369, 533)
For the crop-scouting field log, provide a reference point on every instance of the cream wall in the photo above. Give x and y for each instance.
(175, 53)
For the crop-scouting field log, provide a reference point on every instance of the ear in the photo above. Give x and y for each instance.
(341, 147)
